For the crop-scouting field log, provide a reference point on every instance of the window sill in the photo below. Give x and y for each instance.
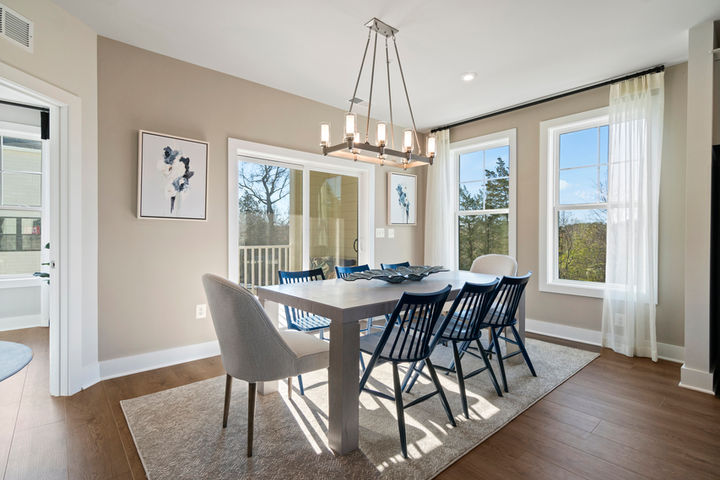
(19, 282)
(570, 287)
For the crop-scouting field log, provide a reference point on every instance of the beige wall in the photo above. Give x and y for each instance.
(150, 270)
(585, 312)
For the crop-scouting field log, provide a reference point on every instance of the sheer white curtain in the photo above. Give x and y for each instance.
(631, 272)
(439, 208)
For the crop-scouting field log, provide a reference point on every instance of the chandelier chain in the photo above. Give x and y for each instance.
(372, 80)
(387, 65)
(357, 82)
(407, 96)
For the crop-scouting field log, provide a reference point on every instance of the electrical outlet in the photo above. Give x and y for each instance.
(379, 233)
(391, 233)
(200, 311)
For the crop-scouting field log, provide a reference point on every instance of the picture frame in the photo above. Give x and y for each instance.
(401, 199)
(172, 177)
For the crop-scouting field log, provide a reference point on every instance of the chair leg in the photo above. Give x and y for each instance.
(523, 350)
(415, 376)
(300, 384)
(408, 375)
(251, 417)
(489, 368)
(400, 410)
(362, 362)
(289, 388)
(228, 392)
(496, 341)
(461, 379)
(440, 390)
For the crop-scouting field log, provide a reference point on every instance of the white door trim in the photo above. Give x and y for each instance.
(74, 333)
(305, 160)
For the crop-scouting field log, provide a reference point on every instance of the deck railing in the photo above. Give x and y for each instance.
(259, 264)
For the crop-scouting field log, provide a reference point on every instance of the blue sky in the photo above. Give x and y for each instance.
(583, 165)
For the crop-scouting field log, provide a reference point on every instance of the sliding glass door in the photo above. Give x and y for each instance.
(292, 217)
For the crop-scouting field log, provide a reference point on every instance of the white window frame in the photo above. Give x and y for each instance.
(484, 142)
(304, 162)
(550, 131)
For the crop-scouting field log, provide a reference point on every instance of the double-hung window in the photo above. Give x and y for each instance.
(573, 203)
(485, 196)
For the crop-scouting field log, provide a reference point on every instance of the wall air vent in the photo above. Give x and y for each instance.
(15, 28)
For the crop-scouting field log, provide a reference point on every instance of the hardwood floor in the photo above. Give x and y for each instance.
(618, 418)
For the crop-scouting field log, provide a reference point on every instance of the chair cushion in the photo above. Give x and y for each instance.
(312, 353)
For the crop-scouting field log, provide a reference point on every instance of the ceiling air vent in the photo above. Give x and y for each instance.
(16, 28)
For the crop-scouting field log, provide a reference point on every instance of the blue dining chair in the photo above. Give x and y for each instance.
(298, 319)
(406, 339)
(342, 272)
(501, 316)
(394, 266)
(465, 318)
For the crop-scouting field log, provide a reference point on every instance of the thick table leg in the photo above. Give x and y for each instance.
(266, 388)
(344, 386)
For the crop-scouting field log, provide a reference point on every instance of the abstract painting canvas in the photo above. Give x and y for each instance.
(172, 177)
(402, 199)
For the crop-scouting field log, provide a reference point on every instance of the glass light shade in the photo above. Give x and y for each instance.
(325, 134)
(408, 140)
(356, 138)
(430, 150)
(350, 122)
(381, 134)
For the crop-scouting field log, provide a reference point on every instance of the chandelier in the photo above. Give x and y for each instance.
(358, 147)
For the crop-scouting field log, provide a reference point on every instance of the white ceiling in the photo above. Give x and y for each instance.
(521, 50)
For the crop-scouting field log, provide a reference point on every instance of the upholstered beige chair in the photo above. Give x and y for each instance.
(495, 264)
(252, 349)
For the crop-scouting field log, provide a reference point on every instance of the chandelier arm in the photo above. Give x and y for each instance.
(357, 82)
(387, 64)
(372, 80)
(402, 76)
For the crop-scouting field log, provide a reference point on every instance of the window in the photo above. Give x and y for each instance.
(20, 205)
(573, 189)
(485, 196)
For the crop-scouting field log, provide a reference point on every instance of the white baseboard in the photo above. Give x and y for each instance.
(697, 380)
(22, 321)
(118, 367)
(666, 351)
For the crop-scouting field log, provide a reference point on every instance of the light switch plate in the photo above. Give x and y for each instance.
(379, 233)
(391, 233)
(201, 310)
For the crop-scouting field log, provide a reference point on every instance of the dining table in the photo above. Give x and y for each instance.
(346, 304)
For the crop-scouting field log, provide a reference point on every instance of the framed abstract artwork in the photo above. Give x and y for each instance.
(172, 177)
(402, 199)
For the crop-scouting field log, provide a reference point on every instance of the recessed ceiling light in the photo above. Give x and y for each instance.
(468, 76)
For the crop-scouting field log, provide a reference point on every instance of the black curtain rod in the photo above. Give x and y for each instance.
(531, 103)
(31, 107)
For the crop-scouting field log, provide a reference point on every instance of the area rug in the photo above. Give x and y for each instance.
(178, 432)
(13, 357)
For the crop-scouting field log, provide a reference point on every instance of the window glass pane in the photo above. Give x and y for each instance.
(22, 143)
(19, 242)
(581, 244)
(472, 167)
(21, 189)
(472, 196)
(579, 148)
(604, 144)
(497, 161)
(21, 159)
(497, 193)
(333, 221)
(480, 235)
(270, 222)
(581, 185)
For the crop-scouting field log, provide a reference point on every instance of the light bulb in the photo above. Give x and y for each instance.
(381, 134)
(356, 138)
(325, 134)
(408, 140)
(430, 150)
(350, 122)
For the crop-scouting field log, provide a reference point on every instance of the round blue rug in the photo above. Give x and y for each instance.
(13, 357)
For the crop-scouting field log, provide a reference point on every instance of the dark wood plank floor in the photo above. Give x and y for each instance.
(618, 418)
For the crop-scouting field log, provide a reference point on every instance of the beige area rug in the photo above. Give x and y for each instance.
(178, 432)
